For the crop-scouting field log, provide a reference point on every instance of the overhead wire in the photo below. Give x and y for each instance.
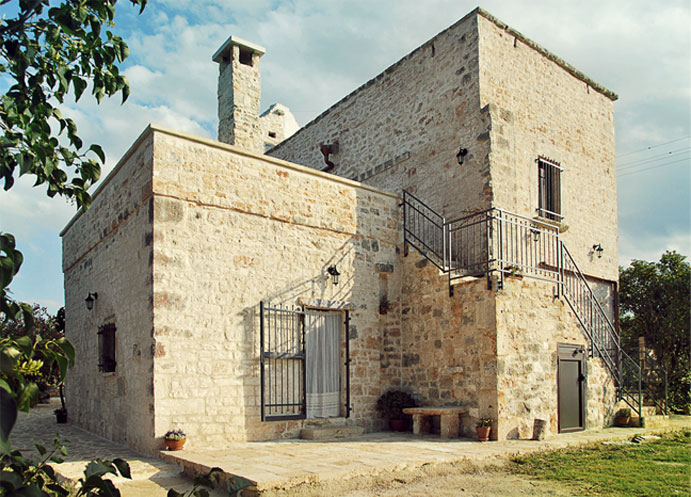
(664, 156)
(654, 146)
(630, 173)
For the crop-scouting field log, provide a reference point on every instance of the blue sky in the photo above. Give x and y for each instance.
(318, 51)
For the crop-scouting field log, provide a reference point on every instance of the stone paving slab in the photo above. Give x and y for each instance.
(151, 477)
(286, 463)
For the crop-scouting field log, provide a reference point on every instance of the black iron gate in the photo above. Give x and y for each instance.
(283, 362)
(282, 356)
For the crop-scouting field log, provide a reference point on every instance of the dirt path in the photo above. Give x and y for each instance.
(441, 480)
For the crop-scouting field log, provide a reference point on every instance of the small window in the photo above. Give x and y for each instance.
(106, 348)
(245, 57)
(549, 190)
(272, 134)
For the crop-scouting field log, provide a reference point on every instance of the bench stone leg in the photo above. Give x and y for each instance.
(421, 424)
(449, 425)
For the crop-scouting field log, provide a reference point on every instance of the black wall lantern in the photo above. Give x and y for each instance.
(536, 233)
(598, 248)
(334, 274)
(461, 153)
(90, 300)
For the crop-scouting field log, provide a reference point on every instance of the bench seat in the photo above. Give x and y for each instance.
(449, 419)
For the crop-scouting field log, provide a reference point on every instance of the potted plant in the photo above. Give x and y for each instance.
(483, 428)
(175, 439)
(391, 405)
(622, 417)
(61, 414)
(384, 305)
(512, 272)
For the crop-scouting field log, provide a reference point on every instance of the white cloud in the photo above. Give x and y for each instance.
(319, 51)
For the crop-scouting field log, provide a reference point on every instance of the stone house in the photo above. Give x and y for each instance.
(413, 236)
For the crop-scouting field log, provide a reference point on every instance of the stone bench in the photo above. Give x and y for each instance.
(449, 419)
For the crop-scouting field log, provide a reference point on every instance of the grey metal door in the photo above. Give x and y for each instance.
(571, 387)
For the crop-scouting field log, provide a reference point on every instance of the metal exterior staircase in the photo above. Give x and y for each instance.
(500, 242)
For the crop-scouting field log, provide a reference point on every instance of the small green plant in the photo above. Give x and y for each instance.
(175, 435)
(392, 403)
(484, 422)
(623, 413)
(511, 269)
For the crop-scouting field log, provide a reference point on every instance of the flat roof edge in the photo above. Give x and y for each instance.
(152, 128)
(549, 55)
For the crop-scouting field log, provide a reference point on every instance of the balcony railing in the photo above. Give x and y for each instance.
(495, 241)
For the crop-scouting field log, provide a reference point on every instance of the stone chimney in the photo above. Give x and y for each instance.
(239, 93)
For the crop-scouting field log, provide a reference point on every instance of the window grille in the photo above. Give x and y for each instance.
(284, 363)
(549, 197)
(106, 348)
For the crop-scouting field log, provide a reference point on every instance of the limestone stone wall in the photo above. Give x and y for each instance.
(449, 344)
(403, 129)
(232, 229)
(530, 326)
(108, 250)
(239, 94)
(539, 107)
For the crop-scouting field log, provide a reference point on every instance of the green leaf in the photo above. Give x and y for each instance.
(123, 467)
(174, 493)
(79, 87)
(8, 415)
(237, 483)
(67, 348)
(98, 151)
(41, 449)
(10, 479)
(26, 395)
(97, 468)
(25, 161)
(5, 386)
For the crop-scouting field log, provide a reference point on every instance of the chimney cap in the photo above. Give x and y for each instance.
(235, 40)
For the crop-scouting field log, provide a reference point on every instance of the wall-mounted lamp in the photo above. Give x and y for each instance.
(536, 233)
(334, 274)
(90, 300)
(598, 248)
(461, 153)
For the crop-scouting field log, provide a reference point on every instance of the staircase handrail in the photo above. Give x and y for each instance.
(602, 352)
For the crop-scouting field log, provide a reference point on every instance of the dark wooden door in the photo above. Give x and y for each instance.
(571, 387)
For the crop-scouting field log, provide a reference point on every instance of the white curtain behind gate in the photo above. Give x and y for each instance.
(323, 365)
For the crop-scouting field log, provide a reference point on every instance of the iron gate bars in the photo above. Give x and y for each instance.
(282, 362)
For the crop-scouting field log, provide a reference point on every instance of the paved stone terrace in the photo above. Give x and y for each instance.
(287, 463)
(151, 477)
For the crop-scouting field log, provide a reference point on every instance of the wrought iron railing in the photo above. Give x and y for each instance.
(654, 380)
(425, 230)
(497, 241)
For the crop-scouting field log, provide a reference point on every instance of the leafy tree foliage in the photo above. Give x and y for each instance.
(47, 53)
(654, 303)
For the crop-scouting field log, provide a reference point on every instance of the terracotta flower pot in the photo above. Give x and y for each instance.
(483, 433)
(622, 420)
(397, 424)
(174, 444)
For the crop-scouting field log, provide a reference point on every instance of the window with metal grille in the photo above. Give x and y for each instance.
(549, 189)
(292, 349)
(106, 348)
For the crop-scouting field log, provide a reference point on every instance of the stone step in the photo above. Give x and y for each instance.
(325, 432)
(657, 421)
(653, 421)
